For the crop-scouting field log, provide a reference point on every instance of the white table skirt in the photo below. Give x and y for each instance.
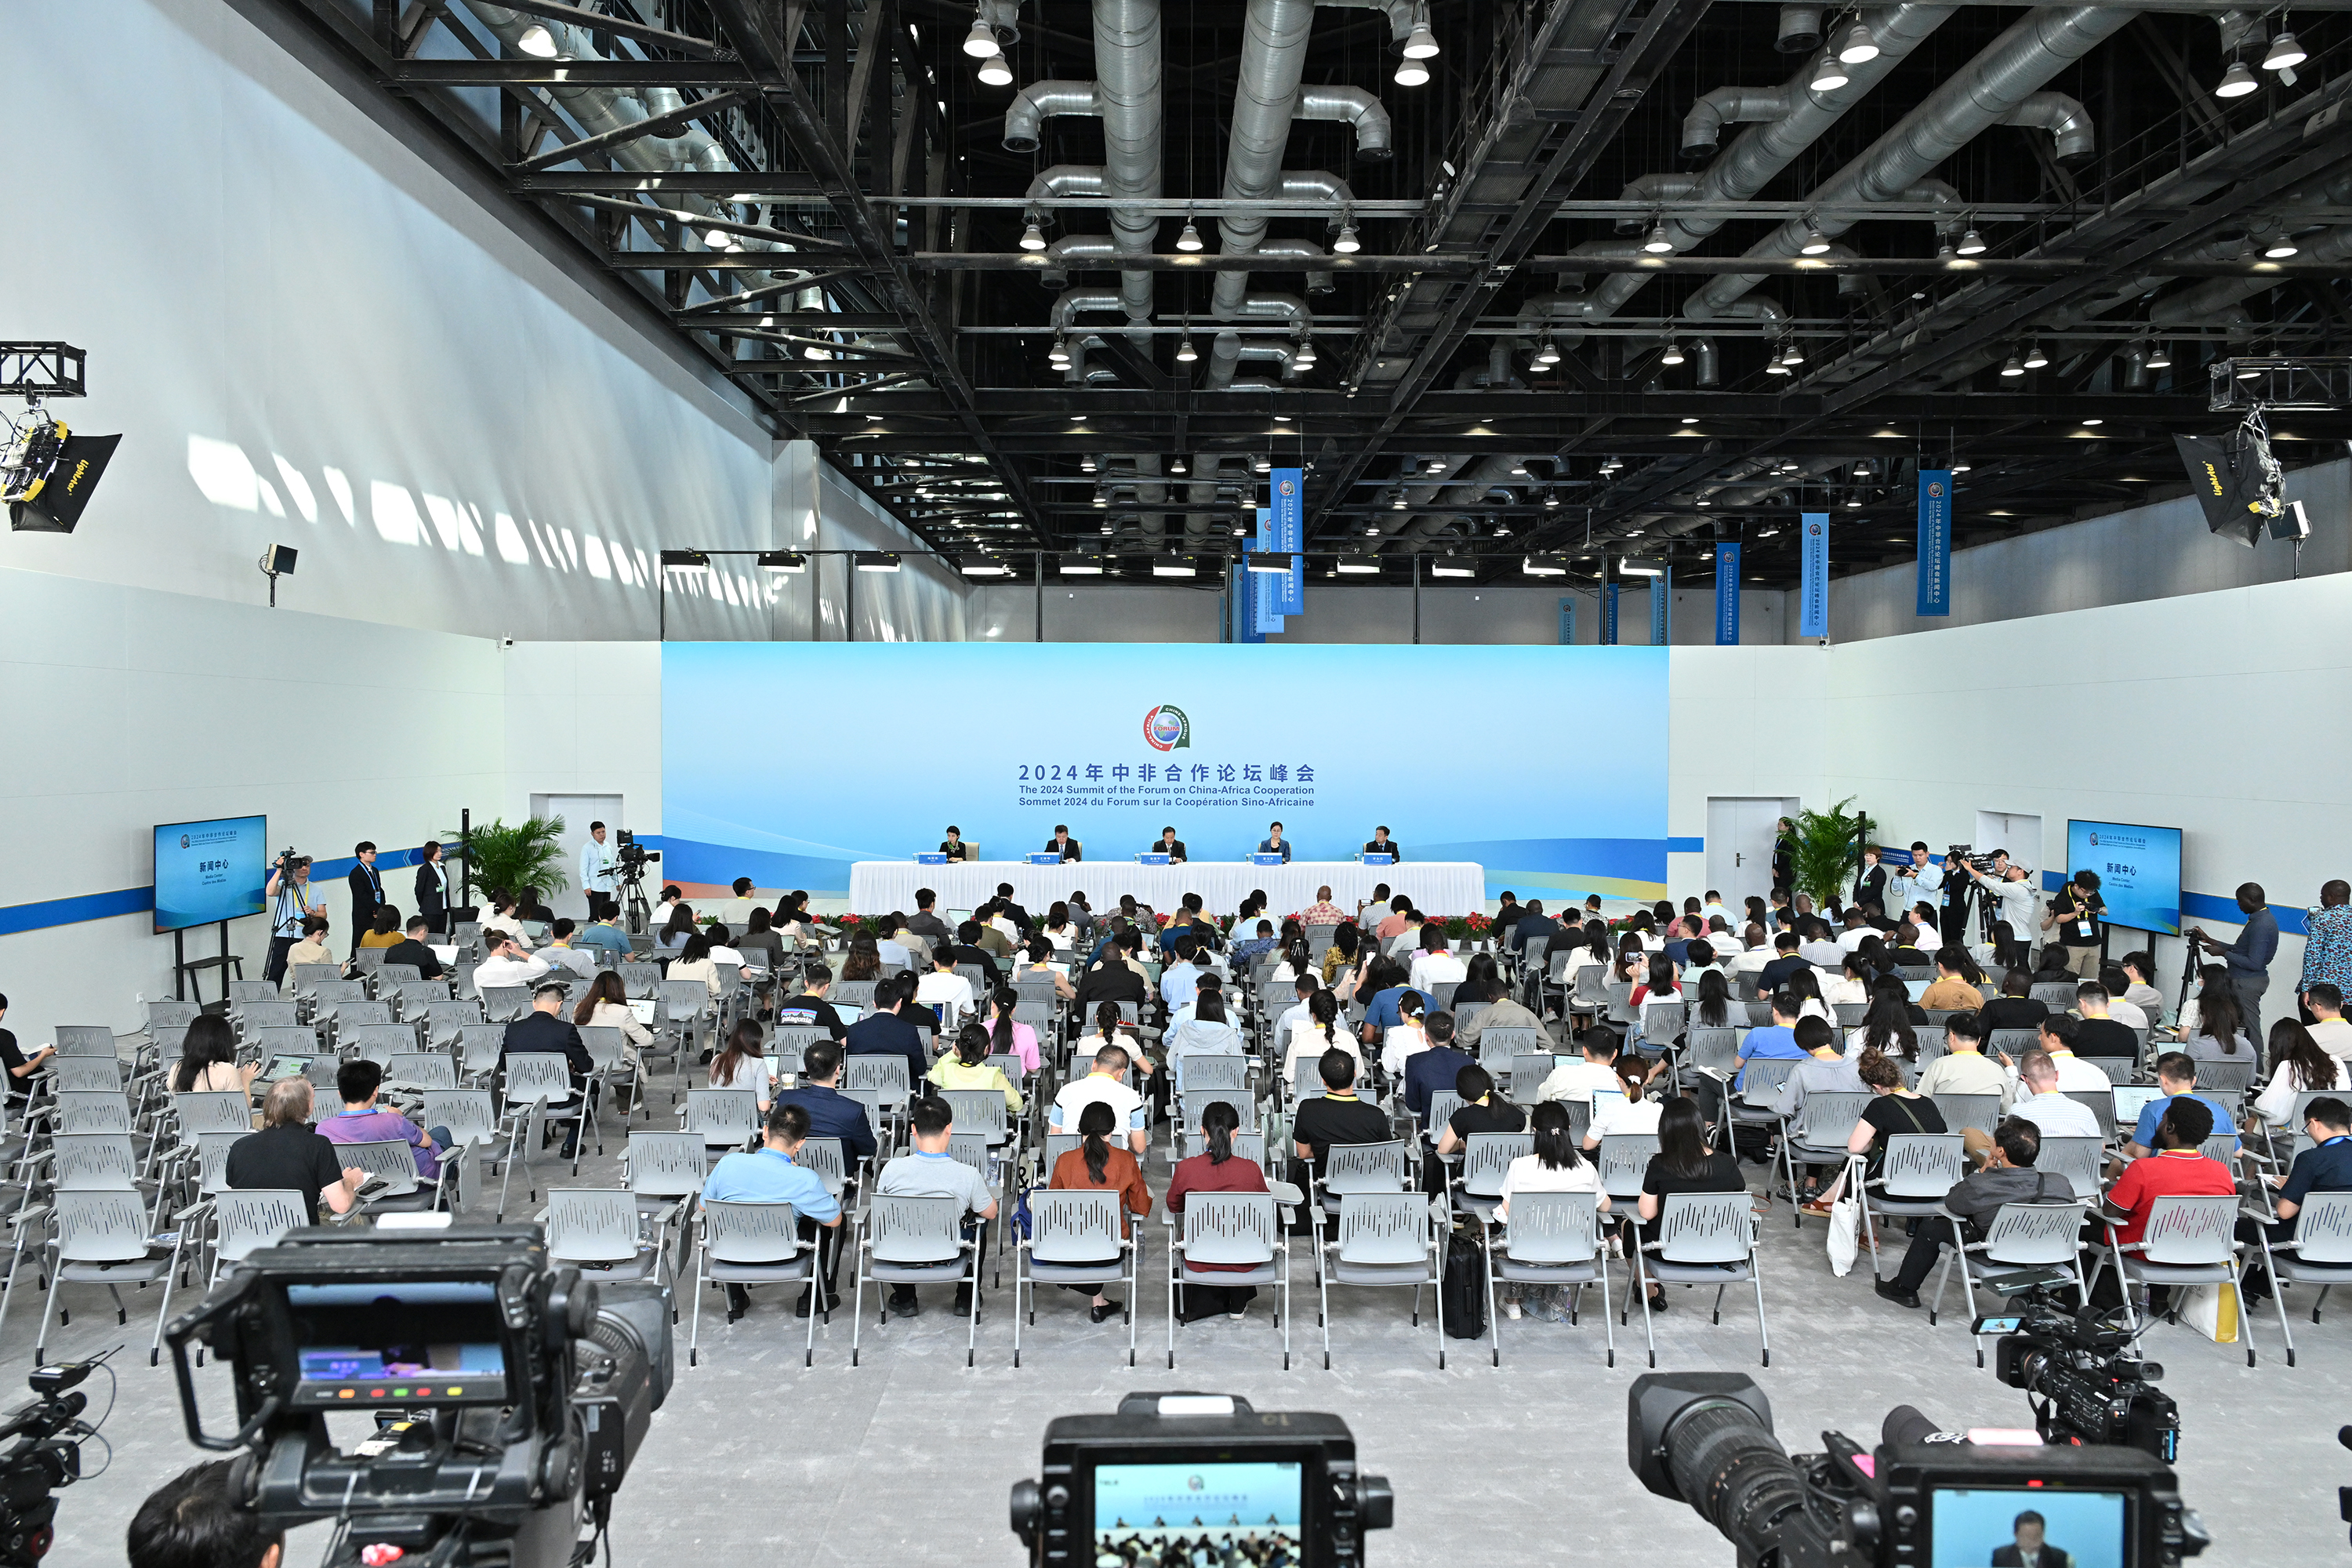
(1441, 887)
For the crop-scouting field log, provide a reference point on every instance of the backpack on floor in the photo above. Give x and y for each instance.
(1462, 1283)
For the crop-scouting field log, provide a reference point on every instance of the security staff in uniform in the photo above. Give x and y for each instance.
(367, 891)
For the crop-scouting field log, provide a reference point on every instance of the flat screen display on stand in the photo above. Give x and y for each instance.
(210, 871)
(2139, 867)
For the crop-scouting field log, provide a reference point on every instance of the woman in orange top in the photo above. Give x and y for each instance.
(1095, 1165)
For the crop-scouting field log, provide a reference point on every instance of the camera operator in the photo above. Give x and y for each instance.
(289, 892)
(367, 891)
(2249, 957)
(600, 866)
(2008, 1177)
(193, 1521)
(2010, 888)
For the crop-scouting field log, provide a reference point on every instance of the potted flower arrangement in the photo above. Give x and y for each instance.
(1470, 933)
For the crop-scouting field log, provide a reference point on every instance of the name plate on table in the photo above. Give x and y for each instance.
(1371, 859)
(1263, 859)
(1151, 859)
(1044, 857)
(930, 857)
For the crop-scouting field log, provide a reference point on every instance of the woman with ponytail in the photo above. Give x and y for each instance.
(1217, 1170)
(1320, 1032)
(1008, 1036)
(1097, 1164)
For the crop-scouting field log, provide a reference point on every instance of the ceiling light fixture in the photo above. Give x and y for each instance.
(1452, 569)
(1545, 566)
(2281, 248)
(1305, 358)
(2236, 82)
(1358, 566)
(1550, 500)
(791, 561)
(1971, 244)
(1059, 353)
(685, 561)
(2094, 420)
(1033, 239)
(2012, 368)
(1420, 44)
(1086, 465)
(1410, 72)
(1772, 366)
(981, 42)
(1828, 75)
(1081, 565)
(980, 566)
(996, 71)
(1172, 566)
(1673, 353)
(1263, 464)
(1859, 45)
(1658, 244)
(1547, 351)
(1816, 242)
(1176, 465)
(1184, 352)
(1348, 243)
(1397, 504)
(2035, 356)
(1190, 240)
(878, 560)
(536, 42)
(1275, 563)
(2159, 357)
(1641, 566)
(1791, 355)
(2284, 54)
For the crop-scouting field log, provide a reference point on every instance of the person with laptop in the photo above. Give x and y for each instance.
(412, 949)
(810, 1008)
(2176, 1075)
(2324, 1168)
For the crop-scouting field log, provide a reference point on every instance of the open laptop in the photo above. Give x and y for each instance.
(1917, 988)
(284, 1067)
(850, 1013)
(2131, 1099)
(644, 1008)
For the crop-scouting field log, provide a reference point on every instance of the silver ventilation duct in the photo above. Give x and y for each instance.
(2068, 122)
(1026, 117)
(1126, 70)
(1265, 96)
(1359, 108)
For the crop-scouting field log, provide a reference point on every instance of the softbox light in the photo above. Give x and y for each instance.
(2228, 487)
(61, 492)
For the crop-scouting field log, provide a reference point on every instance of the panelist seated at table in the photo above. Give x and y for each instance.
(953, 847)
(1274, 843)
(1380, 843)
(1062, 844)
(1170, 845)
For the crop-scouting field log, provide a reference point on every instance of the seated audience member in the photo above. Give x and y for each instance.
(1038, 958)
(2178, 1168)
(563, 951)
(1553, 1165)
(288, 1155)
(2095, 1033)
(1776, 1041)
(1338, 1115)
(967, 1067)
(313, 948)
(2212, 1025)
(809, 1009)
(1683, 1163)
(508, 963)
(1828, 1070)
(1095, 1166)
(744, 1063)
(208, 1061)
(1787, 962)
(2043, 1103)
(968, 948)
(2303, 1068)
(1964, 1069)
(1434, 1069)
(2120, 1008)
(2139, 987)
(889, 1031)
(2014, 1008)
(1320, 1031)
(943, 988)
(928, 1171)
(1894, 1108)
(2008, 1177)
(770, 1175)
(2324, 1168)
(1404, 1034)
(2325, 1005)
(412, 949)
(197, 1520)
(545, 1030)
(606, 1006)
(830, 1113)
(1630, 1114)
(2176, 1074)
(1214, 1170)
(1951, 992)
(694, 963)
(2055, 1038)
(358, 1081)
(383, 929)
(1483, 1110)
(1594, 1067)
(1435, 964)
(1107, 1083)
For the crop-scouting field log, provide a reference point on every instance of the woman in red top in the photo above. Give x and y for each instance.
(1215, 1171)
(1095, 1165)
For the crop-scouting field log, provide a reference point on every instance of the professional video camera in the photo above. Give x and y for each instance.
(508, 1397)
(634, 854)
(1959, 852)
(1923, 1499)
(1199, 1469)
(2089, 1386)
(43, 1453)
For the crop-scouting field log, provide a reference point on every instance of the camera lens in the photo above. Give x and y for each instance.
(1733, 1472)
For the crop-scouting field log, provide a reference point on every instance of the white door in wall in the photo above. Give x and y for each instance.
(1740, 831)
(2020, 833)
(578, 811)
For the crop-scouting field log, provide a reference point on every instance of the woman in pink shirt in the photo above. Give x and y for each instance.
(1007, 1036)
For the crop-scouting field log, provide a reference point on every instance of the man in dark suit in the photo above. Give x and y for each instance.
(1170, 845)
(888, 1032)
(2030, 1550)
(412, 950)
(545, 1029)
(1274, 843)
(1533, 926)
(925, 921)
(1064, 844)
(1005, 902)
(1381, 844)
(1113, 978)
(432, 889)
(367, 891)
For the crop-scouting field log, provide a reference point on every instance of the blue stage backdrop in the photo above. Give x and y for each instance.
(1545, 765)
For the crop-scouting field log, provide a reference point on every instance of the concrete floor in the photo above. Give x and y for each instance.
(907, 1460)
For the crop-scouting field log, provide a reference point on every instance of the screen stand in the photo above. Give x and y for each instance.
(186, 971)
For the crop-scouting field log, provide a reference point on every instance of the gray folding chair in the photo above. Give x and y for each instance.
(2187, 1240)
(1551, 1238)
(754, 1244)
(914, 1241)
(2082, 1161)
(1213, 1070)
(1385, 1239)
(102, 1238)
(2022, 1236)
(404, 1191)
(886, 1075)
(243, 991)
(246, 1220)
(2101, 1103)
(420, 1071)
(504, 1004)
(2016, 1042)
(1962, 1112)
(980, 1111)
(1528, 1071)
(1704, 1238)
(85, 1075)
(600, 1231)
(1817, 1135)
(98, 1111)
(538, 1092)
(1443, 1104)
(170, 1015)
(1919, 1170)
(85, 1041)
(1623, 1161)
(1240, 1231)
(1075, 1239)
(479, 1048)
(2319, 1253)
(726, 1119)
(2058, 996)
(1485, 1159)
(667, 1171)
(377, 1043)
(213, 1111)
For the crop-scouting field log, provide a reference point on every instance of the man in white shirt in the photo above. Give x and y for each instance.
(1292, 1017)
(893, 953)
(599, 865)
(943, 984)
(508, 964)
(1817, 948)
(1435, 964)
(1752, 959)
(2056, 1044)
(1102, 1084)
(2326, 1005)
(1715, 908)
(2045, 1105)
(1577, 1079)
(1857, 927)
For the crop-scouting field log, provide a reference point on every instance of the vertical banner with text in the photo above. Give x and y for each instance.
(1727, 595)
(1265, 591)
(1813, 576)
(1568, 623)
(1660, 594)
(1934, 541)
(1289, 489)
(1609, 615)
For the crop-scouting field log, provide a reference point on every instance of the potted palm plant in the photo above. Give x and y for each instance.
(527, 856)
(1827, 847)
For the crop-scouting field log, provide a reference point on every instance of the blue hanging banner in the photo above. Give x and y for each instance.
(1289, 492)
(1727, 595)
(1609, 615)
(1934, 541)
(1568, 623)
(1245, 596)
(1266, 590)
(1661, 592)
(1813, 576)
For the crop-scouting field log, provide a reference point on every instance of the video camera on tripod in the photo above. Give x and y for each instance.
(508, 1397)
(633, 855)
(1962, 852)
(2089, 1386)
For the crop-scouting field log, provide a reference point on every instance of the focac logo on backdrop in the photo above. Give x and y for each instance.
(1167, 728)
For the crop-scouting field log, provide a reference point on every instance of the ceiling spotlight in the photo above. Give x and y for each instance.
(1410, 72)
(2094, 420)
(1690, 418)
(1855, 502)
(980, 566)
(1816, 243)
(1792, 356)
(2159, 357)
(1279, 419)
(2249, 372)
(1358, 565)
(1673, 354)
(1828, 75)
(1972, 244)
(878, 560)
(1611, 466)
(1190, 240)
(1347, 244)
(1545, 566)
(2013, 368)
(1658, 244)
(1774, 366)
(1263, 464)
(1944, 252)
(716, 239)
(1397, 504)
(1858, 45)
(2236, 82)
(536, 42)
(996, 71)
(1961, 466)
(2035, 356)
(791, 561)
(1176, 465)
(981, 42)
(1703, 500)
(1184, 353)
(1452, 569)
(1101, 499)
(1086, 465)
(1033, 239)
(1172, 566)
(2281, 248)
(1547, 351)
(1059, 353)
(1422, 44)
(2284, 54)
(1550, 500)
(1305, 358)
(1274, 562)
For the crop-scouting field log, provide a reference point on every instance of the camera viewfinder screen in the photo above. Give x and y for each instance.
(1982, 1527)
(1147, 1516)
(413, 1342)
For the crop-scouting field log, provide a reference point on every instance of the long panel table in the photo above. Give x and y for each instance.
(1440, 887)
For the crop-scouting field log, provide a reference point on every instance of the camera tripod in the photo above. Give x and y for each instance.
(638, 912)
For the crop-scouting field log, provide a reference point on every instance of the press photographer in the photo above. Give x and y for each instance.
(291, 898)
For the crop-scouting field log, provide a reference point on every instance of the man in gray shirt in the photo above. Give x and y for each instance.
(1825, 1070)
(930, 1172)
(2008, 1177)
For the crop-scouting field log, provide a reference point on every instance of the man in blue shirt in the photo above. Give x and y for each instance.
(2176, 1073)
(1426, 1072)
(1381, 1012)
(1180, 979)
(2324, 1168)
(601, 933)
(1776, 1041)
(1775, 975)
(2250, 956)
(768, 1175)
